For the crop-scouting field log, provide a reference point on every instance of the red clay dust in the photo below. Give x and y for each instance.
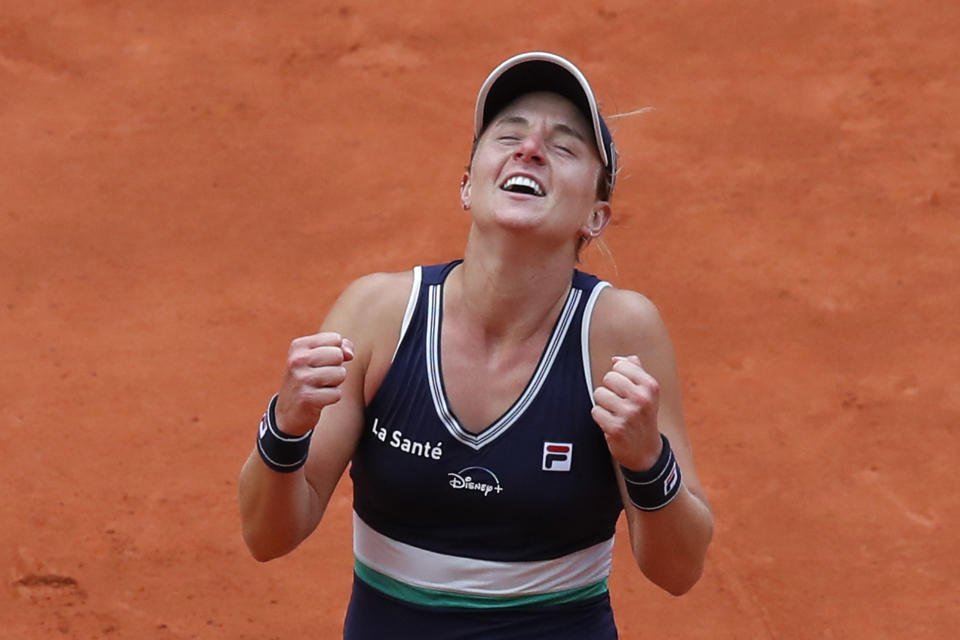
(186, 186)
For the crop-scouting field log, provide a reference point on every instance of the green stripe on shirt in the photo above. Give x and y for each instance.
(435, 598)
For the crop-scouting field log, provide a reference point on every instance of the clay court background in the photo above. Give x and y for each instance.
(185, 186)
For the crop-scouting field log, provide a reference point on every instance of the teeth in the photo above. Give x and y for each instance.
(524, 183)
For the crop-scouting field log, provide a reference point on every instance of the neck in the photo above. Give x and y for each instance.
(508, 289)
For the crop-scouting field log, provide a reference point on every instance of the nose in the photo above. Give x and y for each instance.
(531, 148)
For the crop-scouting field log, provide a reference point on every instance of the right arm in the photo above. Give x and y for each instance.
(323, 388)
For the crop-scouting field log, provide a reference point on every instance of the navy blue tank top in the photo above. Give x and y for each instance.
(522, 513)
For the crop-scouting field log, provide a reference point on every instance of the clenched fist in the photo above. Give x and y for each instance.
(311, 380)
(627, 402)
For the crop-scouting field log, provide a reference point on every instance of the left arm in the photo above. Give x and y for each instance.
(637, 397)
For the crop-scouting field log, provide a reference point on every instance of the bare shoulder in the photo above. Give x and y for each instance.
(380, 288)
(369, 301)
(625, 322)
(370, 313)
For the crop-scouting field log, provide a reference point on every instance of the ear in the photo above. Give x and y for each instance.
(598, 220)
(465, 190)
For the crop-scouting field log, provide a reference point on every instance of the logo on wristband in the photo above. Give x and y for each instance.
(671, 482)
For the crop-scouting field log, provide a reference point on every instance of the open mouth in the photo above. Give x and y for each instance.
(523, 184)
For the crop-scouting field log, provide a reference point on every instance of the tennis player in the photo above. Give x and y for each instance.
(499, 412)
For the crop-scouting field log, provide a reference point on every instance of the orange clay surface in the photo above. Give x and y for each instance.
(186, 186)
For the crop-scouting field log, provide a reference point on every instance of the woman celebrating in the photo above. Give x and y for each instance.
(499, 411)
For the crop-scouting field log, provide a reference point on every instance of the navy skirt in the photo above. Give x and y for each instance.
(373, 615)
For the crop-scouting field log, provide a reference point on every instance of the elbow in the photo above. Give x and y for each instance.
(265, 535)
(677, 573)
(676, 581)
(261, 555)
(258, 552)
(680, 585)
(261, 547)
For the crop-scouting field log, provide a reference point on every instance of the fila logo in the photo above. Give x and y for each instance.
(557, 456)
(671, 480)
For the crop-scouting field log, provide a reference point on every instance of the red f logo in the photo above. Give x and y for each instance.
(557, 456)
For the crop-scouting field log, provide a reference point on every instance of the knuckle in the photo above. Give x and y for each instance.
(296, 359)
(638, 397)
(602, 395)
(326, 356)
(631, 411)
(299, 376)
(331, 376)
(327, 396)
(615, 427)
(330, 338)
(599, 416)
(335, 355)
(337, 375)
(297, 344)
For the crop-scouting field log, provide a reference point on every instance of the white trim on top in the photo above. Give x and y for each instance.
(411, 307)
(434, 374)
(585, 335)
